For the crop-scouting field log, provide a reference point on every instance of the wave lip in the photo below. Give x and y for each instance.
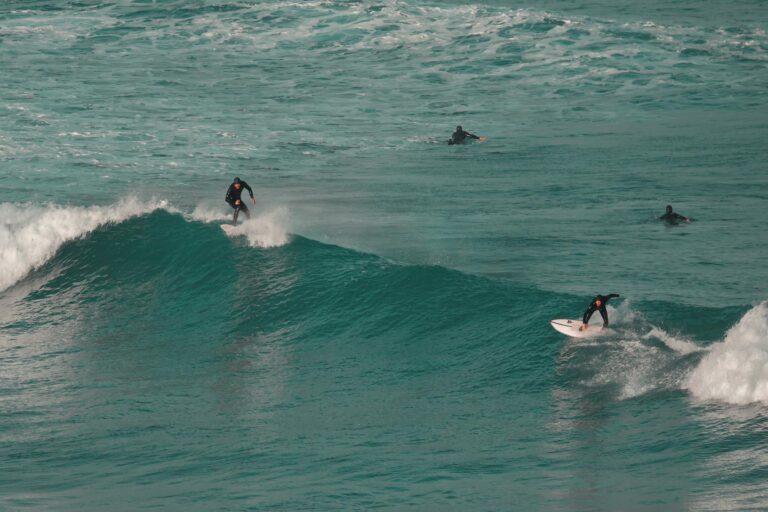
(30, 236)
(735, 370)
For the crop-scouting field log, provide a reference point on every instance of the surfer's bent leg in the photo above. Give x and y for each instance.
(604, 314)
(244, 209)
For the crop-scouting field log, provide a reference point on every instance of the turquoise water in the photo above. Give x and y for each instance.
(376, 335)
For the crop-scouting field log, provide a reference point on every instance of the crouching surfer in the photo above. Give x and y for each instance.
(597, 304)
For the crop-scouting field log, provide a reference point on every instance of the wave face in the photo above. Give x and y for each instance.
(31, 235)
(308, 365)
(376, 335)
(338, 111)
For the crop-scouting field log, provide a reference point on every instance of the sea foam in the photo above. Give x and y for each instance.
(736, 370)
(265, 230)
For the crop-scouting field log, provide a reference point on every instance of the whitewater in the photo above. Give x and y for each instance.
(376, 335)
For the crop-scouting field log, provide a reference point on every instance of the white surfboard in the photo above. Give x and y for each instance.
(228, 228)
(571, 328)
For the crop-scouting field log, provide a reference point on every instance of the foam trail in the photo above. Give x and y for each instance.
(29, 236)
(266, 230)
(634, 323)
(736, 370)
(627, 360)
(679, 345)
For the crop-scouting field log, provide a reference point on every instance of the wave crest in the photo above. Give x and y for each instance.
(30, 236)
(736, 370)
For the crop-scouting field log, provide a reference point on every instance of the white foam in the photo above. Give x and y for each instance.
(84, 135)
(52, 29)
(30, 236)
(736, 370)
(630, 362)
(266, 230)
(629, 365)
(679, 345)
(207, 213)
(633, 323)
(623, 313)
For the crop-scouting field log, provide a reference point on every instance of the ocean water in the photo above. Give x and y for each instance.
(376, 336)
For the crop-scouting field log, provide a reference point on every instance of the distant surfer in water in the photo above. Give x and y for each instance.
(233, 198)
(671, 217)
(460, 135)
(597, 304)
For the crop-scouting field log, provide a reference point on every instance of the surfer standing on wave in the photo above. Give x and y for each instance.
(233, 198)
(671, 217)
(460, 135)
(597, 304)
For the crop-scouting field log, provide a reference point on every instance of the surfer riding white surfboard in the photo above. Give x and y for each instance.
(233, 198)
(576, 329)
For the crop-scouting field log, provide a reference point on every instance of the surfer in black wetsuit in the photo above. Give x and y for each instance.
(233, 198)
(597, 304)
(671, 217)
(460, 135)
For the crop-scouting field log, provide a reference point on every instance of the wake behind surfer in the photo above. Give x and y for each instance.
(671, 217)
(233, 198)
(597, 304)
(459, 136)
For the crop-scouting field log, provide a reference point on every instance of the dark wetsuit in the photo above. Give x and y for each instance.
(459, 136)
(672, 217)
(594, 307)
(233, 195)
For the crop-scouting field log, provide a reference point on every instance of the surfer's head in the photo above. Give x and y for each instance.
(669, 208)
(458, 129)
(236, 182)
(599, 300)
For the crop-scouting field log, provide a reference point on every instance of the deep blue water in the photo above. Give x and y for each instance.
(377, 336)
